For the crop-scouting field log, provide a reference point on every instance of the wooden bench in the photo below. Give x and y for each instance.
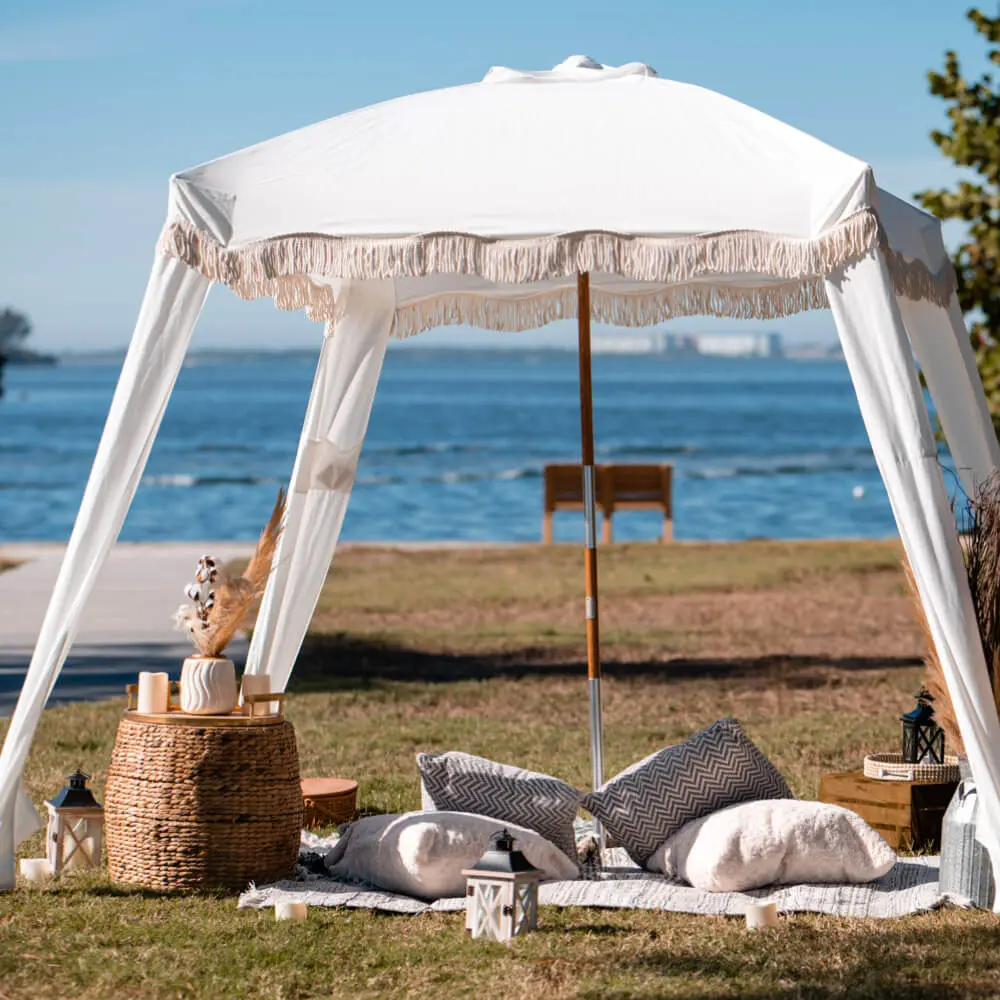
(619, 487)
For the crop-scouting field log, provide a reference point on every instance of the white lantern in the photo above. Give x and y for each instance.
(501, 892)
(76, 826)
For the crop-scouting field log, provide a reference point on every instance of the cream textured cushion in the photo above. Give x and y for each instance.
(777, 841)
(423, 854)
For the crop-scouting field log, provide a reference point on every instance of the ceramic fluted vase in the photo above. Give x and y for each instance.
(208, 686)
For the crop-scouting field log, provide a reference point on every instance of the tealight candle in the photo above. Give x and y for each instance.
(36, 869)
(290, 911)
(154, 693)
(761, 916)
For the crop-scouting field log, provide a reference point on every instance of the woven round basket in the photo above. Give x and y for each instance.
(328, 801)
(890, 767)
(192, 806)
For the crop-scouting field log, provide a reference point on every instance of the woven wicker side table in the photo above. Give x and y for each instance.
(198, 802)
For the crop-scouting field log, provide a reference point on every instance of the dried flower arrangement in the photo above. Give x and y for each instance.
(981, 556)
(220, 601)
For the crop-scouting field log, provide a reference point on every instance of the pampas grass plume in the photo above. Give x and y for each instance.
(234, 595)
(934, 680)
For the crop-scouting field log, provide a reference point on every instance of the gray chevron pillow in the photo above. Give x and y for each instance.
(647, 803)
(460, 782)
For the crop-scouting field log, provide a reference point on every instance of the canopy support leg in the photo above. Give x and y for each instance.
(590, 550)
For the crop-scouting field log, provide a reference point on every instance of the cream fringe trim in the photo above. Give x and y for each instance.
(615, 309)
(280, 269)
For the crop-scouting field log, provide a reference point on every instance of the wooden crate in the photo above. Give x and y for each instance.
(907, 814)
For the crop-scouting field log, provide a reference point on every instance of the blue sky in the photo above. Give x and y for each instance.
(100, 102)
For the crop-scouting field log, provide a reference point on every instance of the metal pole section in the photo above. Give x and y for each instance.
(590, 552)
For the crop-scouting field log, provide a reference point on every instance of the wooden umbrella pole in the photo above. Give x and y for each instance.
(590, 516)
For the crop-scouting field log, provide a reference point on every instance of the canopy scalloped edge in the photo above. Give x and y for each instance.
(280, 268)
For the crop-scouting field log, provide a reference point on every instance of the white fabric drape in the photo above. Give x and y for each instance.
(941, 344)
(878, 355)
(336, 421)
(174, 298)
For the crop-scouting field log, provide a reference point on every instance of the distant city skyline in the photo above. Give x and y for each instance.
(738, 341)
(111, 99)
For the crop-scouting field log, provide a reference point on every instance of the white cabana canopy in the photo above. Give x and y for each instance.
(482, 204)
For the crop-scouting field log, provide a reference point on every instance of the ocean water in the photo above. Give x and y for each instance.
(456, 447)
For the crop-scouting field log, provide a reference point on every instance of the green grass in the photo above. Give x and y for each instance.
(811, 646)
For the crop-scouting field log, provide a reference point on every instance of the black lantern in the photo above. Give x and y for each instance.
(923, 738)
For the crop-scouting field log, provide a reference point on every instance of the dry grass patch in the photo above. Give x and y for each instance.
(708, 599)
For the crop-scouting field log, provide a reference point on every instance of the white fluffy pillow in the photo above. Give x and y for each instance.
(423, 854)
(778, 841)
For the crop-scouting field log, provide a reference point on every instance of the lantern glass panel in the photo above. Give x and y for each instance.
(931, 745)
(486, 910)
(74, 840)
(526, 913)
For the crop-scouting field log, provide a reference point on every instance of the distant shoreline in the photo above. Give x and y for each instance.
(22, 358)
(24, 551)
(806, 352)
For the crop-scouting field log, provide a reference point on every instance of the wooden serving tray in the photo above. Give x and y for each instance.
(174, 716)
(179, 718)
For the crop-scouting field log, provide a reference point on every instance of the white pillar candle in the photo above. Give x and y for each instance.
(258, 684)
(154, 693)
(761, 915)
(36, 869)
(290, 911)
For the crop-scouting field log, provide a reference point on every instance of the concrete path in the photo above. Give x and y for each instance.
(127, 626)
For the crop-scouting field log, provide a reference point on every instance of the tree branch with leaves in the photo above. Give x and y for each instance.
(15, 328)
(972, 141)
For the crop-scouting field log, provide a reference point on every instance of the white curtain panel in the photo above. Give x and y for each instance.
(878, 355)
(174, 297)
(941, 344)
(334, 430)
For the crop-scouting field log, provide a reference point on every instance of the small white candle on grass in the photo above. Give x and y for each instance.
(761, 916)
(36, 869)
(290, 911)
(154, 693)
